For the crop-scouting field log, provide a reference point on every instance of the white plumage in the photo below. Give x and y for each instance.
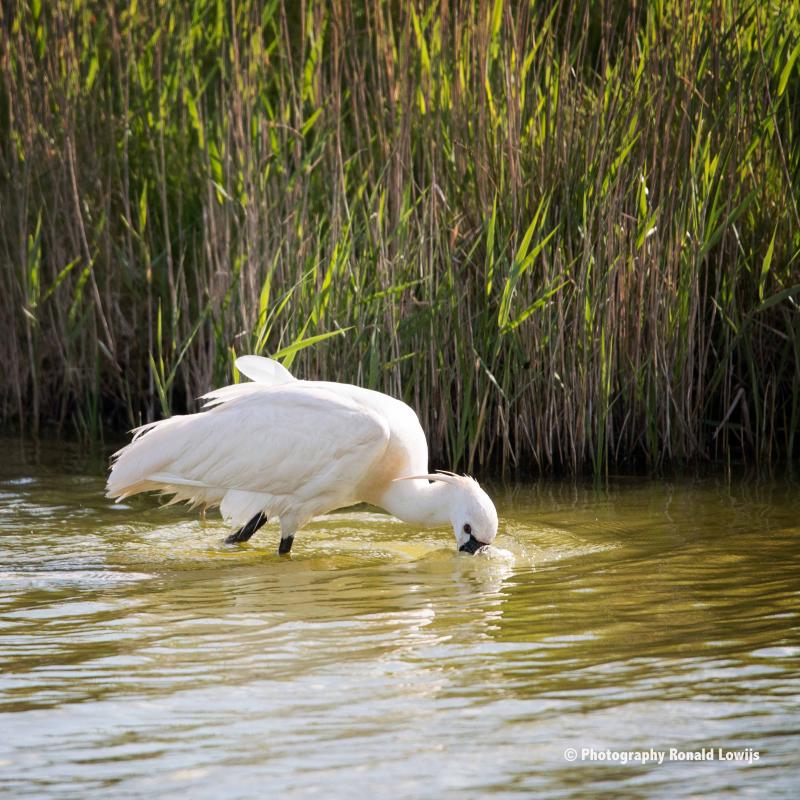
(280, 447)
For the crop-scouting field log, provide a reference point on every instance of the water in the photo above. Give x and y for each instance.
(140, 657)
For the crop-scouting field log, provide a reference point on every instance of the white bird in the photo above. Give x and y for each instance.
(294, 449)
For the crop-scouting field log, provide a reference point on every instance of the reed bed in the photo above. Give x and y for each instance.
(566, 232)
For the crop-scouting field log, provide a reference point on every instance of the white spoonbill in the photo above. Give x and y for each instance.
(282, 447)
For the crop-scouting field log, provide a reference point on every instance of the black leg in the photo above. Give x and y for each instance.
(285, 546)
(244, 533)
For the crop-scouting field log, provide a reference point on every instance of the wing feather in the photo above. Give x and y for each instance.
(264, 370)
(294, 448)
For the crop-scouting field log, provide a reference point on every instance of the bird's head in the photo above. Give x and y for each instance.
(470, 510)
(473, 516)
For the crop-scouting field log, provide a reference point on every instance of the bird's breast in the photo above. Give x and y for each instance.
(393, 464)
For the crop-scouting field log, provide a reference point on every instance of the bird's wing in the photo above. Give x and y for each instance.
(283, 449)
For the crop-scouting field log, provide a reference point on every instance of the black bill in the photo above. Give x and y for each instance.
(472, 545)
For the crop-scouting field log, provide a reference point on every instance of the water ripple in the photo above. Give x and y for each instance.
(140, 656)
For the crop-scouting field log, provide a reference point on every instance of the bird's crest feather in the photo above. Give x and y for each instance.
(440, 475)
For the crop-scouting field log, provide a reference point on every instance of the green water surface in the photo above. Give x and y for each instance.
(141, 657)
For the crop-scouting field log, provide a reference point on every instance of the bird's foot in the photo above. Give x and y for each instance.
(244, 533)
(285, 547)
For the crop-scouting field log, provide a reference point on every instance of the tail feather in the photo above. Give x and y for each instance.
(168, 456)
(135, 466)
(151, 462)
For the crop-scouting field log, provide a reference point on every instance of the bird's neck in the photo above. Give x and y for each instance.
(418, 502)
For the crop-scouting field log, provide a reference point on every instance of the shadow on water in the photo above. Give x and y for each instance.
(139, 652)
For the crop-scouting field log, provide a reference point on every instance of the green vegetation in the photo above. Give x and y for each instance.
(566, 232)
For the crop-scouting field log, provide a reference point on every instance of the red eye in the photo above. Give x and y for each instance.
(468, 529)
